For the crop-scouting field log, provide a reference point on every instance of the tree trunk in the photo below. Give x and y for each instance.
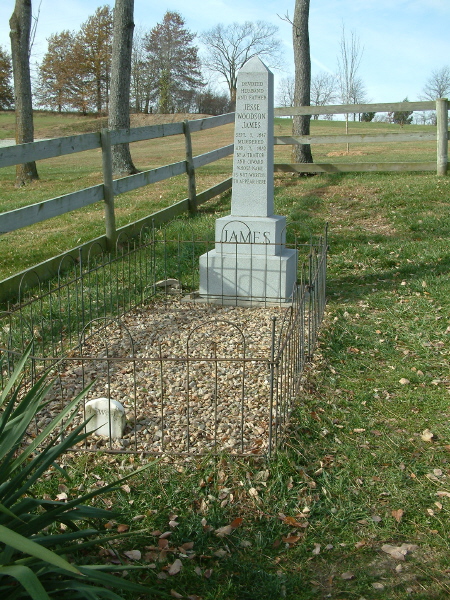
(119, 107)
(20, 27)
(302, 94)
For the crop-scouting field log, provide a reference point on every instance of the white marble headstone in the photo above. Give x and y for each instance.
(105, 412)
(250, 260)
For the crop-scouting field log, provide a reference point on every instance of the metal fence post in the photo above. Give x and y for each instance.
(442, 135)
(108, 192)
(190, 170)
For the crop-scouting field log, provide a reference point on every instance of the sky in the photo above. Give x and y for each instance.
(402, 41)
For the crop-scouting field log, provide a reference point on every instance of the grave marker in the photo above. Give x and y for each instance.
(250, 260)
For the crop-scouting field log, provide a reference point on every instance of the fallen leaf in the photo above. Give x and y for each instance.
(378, 586)
(291, 539)
(162, 575)
(173, 523)
(133, 554)
(427, 435)
(223, 531)
(126, 488)
(207, 574)
(292, 522)
(376, 519)
(397, 514)
(404, 381)
(316, 549)
(236, 523)
(253, 492)
(122, 528)
(175, 594)
(348, 575)
(187, 545)
(443, 494)
(175, 567)
(360, 544)
(165, 535)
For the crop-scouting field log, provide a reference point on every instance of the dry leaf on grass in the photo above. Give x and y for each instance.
(443, 494)
(397, 514)
(291, 539)
(427, 435)
(122, 528)
(316, 549)
(175, 567)
(228, 529)
(133, 554)
(398, 552)
(175, 594)
(348, 575)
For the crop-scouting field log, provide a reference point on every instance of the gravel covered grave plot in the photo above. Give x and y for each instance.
(218, 399)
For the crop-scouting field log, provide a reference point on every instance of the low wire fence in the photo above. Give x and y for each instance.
(191, 377)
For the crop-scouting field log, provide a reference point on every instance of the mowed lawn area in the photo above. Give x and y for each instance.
(357, 503)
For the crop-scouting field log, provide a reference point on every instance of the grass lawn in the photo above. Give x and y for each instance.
(357, 503)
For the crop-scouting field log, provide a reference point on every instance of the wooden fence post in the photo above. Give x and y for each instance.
(108, 193)
(442, 135)
(190, 170)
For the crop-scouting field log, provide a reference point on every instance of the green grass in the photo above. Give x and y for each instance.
(25, 247)
(356, 453)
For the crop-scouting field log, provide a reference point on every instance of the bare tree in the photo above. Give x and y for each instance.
(302, 95)
(349, 60)
(143, 78)
(285, 92)
(119, 107)
(323, 90)
(229, 47)
(438, 84)
(20, 28)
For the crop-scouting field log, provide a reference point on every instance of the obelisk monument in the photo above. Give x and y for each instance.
(250, 261)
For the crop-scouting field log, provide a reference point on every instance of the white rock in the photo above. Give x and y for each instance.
(102, 410)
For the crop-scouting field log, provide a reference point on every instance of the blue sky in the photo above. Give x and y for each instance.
(403, 41)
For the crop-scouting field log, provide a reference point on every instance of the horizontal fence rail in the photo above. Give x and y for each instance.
(441, 136)
(36, 213)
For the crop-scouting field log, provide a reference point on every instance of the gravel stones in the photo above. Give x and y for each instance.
(192, 377)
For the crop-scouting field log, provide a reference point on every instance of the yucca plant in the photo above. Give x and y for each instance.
(34, 562)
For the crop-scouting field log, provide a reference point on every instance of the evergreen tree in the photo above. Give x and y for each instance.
(403, 117)
(6, 91)
(174, 62)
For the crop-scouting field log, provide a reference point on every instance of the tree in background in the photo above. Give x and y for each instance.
(95, 39)
(438, 84)
(367, 117)
(56, 72)
(285, 92)
(20, 27)
(209, 102)
(323, 90)
(143, 83)
(301, 153)
(349, 59)
(75, 71)
(119, 107)
(403, 117)
(174, 62)
(229, 47)
(6, 91)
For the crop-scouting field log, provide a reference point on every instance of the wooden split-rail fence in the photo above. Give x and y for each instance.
(106, 192)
